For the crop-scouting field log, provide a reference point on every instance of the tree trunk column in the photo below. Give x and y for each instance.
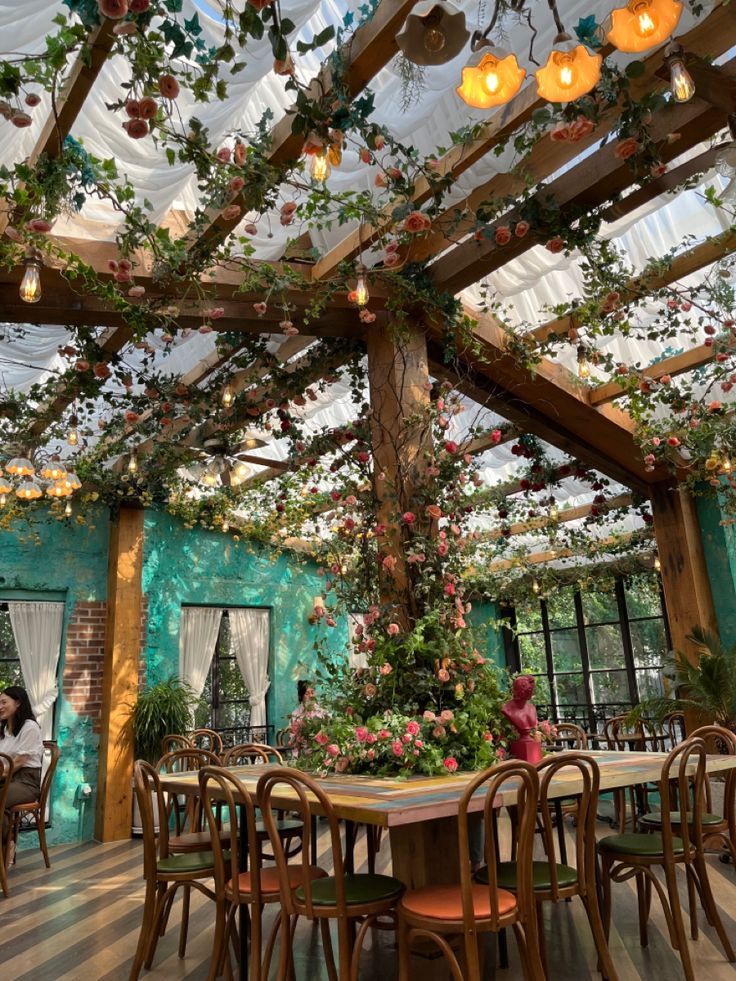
(120, 676)
(685, 580)
(402, 445)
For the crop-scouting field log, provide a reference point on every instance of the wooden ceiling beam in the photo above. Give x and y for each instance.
(711, 250)
(563, 517)
(369, 50)
(540, 558)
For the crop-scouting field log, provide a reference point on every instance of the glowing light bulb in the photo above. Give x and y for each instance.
(434, 38)
(535, 587)
(657, 563)
(68, 509)
(361, 294)
(3, 500)
(583, 363)
(726, 464)
(681, 83)
(227, 396)
(72, 437)
(225, 527)
(647, 21)
(30, 285)
(566, 74)
(491, 80)
(321, 167)
(133, 463)
(554, 512)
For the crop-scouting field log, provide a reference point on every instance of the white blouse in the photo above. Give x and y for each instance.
(28, 742)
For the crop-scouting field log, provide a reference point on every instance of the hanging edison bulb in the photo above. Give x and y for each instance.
(642, 24)
(68, 509)
(657, 563)
(226, 526)
(133, 463)
(535, 587)
(360, 293)
(682, 85)
(30, 286)
(583, 363)
(228, 396)
(571, 71)
(320, 167)
(72, 436)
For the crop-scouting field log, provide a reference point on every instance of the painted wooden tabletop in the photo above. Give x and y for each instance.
(389, 802)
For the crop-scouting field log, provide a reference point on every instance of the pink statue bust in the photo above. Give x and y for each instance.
(523, 716)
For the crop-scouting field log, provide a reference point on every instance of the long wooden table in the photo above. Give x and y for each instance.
(420, 813)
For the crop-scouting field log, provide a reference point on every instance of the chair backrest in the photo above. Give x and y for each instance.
(251, 753)
(282, 788)
(49, 775)
(675, 727)
(622, 735)
(586, 769)
(523, 777)
(6, 769)
(684, 769)
(719, 740)
(188, 758)
(283, 738)
(207, 739)
(148, 790)
(571, 735)
(223, 796)
(174, 741)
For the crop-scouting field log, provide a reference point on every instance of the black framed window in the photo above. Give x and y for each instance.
(593, 654)
(225, 705)
(10, 669)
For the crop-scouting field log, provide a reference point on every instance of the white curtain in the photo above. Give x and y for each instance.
(249, 632)
(200, 626)
(37, 632)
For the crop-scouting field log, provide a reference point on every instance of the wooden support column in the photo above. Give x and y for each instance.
(402, 445)
(685, 580)
(120, 676)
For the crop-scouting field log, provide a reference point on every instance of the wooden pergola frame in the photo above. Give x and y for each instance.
(548, 401)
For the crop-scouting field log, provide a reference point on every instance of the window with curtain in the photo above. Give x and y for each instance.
(226, 697)
(11, 672)
(594, 654)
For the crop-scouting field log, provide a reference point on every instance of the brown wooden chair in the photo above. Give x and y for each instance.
(251, 753)
(638, 855)
(173, 741)
(189, 835)
(163, 871)
(622, 736)
(36, 810)
(470, 908)
(553, 881)
(571, 736)
(207, 739)
(223, 794)
(283, 738)
(675, 725)
(350, 899)
(6, 770)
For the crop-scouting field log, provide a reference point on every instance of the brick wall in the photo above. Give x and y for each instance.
(85, 648)
(85, 651)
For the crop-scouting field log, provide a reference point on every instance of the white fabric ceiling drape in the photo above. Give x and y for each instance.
(200, 626)
(249, 630)
(37, 632)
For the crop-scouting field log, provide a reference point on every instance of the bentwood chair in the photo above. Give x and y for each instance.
(207, 739)
(173, 741)
(350, 899)
(622, 736)
(553, 881)
(251, 753)
(234, 887)
(6, 770)
(571, 736)
(471, 908)
(638, 855)
(163, 871)
(189, 835)
(36, 810)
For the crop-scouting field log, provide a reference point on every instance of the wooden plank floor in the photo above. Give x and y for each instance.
(79, 921)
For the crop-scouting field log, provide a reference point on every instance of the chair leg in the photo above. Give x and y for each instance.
(596, 928)
(324, 928)
(692, 902)
(219, 943)
(404, 951)
(701, 870)
(677, 923)
(41, 828)
(643, 911)
(163, 902)
(607, 898)
(149, 906)
(541, 939)
(531, 960)
(184, 929)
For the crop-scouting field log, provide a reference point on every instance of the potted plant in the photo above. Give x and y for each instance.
(164, 708)
(707, 688)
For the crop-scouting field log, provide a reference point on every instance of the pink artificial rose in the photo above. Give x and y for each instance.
(503, 235)
(237, 184)
(333, 749)
(434, 511)
(139, 6)
(114, 9)
(125, 29)
(136, 128)
(232, 212)
(560, 132)
(501, 753)
(626, 148)
(386, 669)
(361, 734)
(439, 732)
(450, 764)
(136, 292)
(389, 563)
(147, 108)
(408, 517)
(521, 228)
(555, 245)
(406, 738)
(413, 727)
(443, 548)
(223, 154)
(32, 99)
(398, 748)
(365, 155)
(371, 737)
(416, 223)
(451, 446)
(131, 416)
(394, 629)
(366, 316)
(383, 733)
(101, 370)
(429, 716)
(260, 308)
(251, 229)
(371, 754)
(443, 675)
(580, 128)
(447, 715)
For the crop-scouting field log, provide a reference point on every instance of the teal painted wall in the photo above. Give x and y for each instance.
(719, 548)
(183, 566)
(69, 560)
(484, 617)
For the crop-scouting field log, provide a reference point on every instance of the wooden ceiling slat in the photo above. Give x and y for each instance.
(540, 558)
(564, 517)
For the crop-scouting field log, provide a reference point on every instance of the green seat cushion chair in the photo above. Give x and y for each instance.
(359, 889)
(188, 862)
(506, 871)
(648, 846)
(655, 818)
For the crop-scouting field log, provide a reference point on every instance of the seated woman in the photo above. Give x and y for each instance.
(21, 739)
